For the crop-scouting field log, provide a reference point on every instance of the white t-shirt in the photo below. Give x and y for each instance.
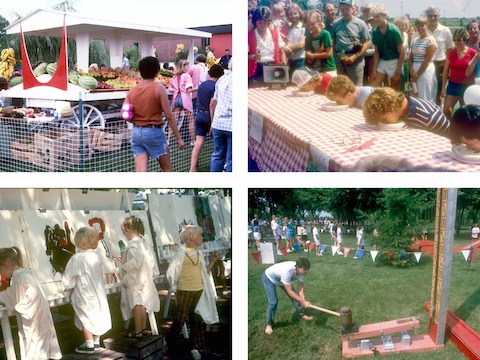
(283, 273)
(266, 47)
(339, 234)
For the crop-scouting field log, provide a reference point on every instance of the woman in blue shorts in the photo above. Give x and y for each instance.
(149, 100)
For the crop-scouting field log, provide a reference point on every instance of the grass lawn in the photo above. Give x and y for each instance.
(374, 293)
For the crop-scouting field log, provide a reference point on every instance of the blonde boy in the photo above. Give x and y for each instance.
(343, 91)
(388, 106)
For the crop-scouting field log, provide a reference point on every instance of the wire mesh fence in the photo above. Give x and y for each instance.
(29, 145)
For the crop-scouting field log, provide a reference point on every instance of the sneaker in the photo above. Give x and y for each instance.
(305, 250)
(226, 292)
(289, 251)
(321, 254)
(279, 253)
(96, 346)
(339, 253)
(83, 349)
(196, 354)
(307, 317)
(355, 257)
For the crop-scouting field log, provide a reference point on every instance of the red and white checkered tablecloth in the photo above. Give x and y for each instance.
(295, 129)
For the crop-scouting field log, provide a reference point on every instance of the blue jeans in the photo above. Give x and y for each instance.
(222, 151)
(271, 290)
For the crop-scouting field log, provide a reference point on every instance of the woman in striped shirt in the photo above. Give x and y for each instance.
(422, 70)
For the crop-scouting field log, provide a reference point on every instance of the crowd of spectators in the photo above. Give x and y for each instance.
(428, 65)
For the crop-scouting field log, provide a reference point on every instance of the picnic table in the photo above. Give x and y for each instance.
(288, 130)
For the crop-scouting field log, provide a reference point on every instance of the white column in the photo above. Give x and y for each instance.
(83, 42)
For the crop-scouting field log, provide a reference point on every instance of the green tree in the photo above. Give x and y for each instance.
(400, 216)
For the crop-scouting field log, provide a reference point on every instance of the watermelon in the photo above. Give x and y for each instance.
(51, 68)
(40, 69)
(87, 82)
(15, 81)
(73, 76)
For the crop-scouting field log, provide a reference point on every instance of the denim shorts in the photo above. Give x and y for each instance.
(456, 89)
(149, 140)
(202, 124)
(179, 102)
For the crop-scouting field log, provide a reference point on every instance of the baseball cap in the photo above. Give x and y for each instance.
(303, 75)
(346, 2)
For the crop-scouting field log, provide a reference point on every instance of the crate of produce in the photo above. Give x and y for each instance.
(60, 149)
(106, 140)
(23, 149)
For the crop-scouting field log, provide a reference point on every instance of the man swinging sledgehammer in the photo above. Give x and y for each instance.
(282, 275)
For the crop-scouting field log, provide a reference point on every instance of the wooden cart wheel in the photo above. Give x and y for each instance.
(92, 117)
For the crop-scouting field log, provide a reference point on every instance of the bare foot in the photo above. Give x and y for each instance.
(268, 330)
(306, 317)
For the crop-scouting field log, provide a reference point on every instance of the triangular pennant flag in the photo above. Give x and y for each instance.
(284, 252)
(374, 254)
(346, 251)
(360, 253)
(418, 254)
(465, 254)
(389, 254)
(334, 250)
(310, 246)
(297, 248)
(256, 256)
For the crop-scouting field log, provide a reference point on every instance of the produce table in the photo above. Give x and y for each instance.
(288, 130)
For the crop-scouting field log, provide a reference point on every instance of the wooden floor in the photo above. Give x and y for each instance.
(218, 336)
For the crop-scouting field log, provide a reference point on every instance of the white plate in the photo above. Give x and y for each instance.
(298, 93)
(465, 155)
(332, 106)
(388, 127)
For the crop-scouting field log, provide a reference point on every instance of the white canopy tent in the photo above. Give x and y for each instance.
(83, 29)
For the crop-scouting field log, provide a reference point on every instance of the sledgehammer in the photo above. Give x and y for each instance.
(345, 316)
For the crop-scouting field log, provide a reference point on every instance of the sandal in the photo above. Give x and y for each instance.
(133, 334)
(146, 332)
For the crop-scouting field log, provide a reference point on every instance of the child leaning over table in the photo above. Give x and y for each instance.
(84, 276)
(191, 280)
(387, 106)
(26, 297)
(343, 91)
(465, 127)
(311, 80)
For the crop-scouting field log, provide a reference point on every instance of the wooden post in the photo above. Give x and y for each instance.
(442, 262)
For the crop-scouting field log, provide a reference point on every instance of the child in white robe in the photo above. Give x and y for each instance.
(139, 294)
(84, 275)
(26, 297)
(191, 280)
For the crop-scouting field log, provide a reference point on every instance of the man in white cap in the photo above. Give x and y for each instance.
(307, 79)
(351, 40)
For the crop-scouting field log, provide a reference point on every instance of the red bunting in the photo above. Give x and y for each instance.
(256, 256)
(310, 246)
(346, 251)
(389, 254)
(284, 252)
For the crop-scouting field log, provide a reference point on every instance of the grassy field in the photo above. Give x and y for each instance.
(374, 293)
